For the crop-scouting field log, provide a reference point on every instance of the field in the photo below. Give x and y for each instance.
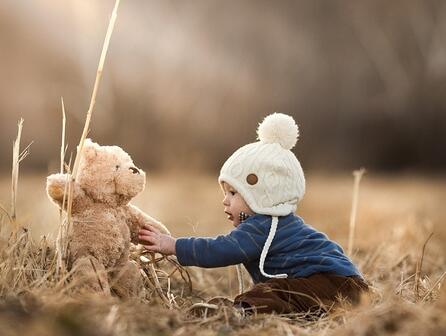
(396, 215)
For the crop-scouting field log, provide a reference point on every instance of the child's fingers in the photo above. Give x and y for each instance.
(151, 248)
(148, 239)
(151, 228)
(143, 232)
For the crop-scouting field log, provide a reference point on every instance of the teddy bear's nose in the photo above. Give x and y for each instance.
(134, 170)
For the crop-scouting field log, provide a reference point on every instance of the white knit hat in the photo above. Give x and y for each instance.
(267, 174)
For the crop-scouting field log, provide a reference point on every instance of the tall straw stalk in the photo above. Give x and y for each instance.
(92, 104)
(357, 178)
(17, 157)
(62, 146)
(15, 172)
(60, 234)
(96, 87)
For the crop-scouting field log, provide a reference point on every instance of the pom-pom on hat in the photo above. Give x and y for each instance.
(267, 174)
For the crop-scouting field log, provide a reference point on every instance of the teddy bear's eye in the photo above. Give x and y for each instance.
(117, 167)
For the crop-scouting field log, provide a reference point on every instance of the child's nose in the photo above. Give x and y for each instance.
(225, 201)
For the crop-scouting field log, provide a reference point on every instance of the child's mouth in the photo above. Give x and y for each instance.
(230, 217)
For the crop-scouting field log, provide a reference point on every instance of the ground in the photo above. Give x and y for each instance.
(395, 218)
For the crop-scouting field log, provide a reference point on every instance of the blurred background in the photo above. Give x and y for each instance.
(186, 82)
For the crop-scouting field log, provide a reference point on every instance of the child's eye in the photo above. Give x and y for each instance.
(232, 193)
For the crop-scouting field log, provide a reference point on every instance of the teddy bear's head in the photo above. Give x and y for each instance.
(108, 174)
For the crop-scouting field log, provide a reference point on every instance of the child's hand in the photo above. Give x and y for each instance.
(155, 241)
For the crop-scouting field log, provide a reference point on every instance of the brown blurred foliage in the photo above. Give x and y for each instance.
(186, 82)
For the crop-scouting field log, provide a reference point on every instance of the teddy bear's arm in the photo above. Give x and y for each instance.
(138, 219)
(56, 188)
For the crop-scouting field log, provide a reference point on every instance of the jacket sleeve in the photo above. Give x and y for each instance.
(241, 245)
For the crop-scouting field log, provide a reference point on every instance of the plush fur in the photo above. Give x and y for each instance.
(103, 221)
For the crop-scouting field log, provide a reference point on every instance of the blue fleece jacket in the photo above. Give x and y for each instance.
(297, 249)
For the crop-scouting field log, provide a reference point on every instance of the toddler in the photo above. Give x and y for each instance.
(295, 268)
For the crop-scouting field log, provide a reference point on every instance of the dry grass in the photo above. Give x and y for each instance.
(395, 217)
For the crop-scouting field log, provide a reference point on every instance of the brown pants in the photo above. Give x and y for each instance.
(313, 295)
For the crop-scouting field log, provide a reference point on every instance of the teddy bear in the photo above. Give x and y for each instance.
(104, 223)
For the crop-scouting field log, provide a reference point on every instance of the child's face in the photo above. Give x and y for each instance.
(234, 204)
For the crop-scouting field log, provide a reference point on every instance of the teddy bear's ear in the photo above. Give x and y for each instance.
(90, 149)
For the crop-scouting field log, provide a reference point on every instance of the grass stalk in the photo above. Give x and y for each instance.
(95, 87)
(91, 107)
(65, 224)
(2, 208)
(437, 283)
(59, 239)
(419, 266)
(357, 178)
(62, 146)
(241, 287)
(15, 173)
(17, 157)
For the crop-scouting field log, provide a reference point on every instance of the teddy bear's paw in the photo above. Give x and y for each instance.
(55, 192)
(56, 185)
